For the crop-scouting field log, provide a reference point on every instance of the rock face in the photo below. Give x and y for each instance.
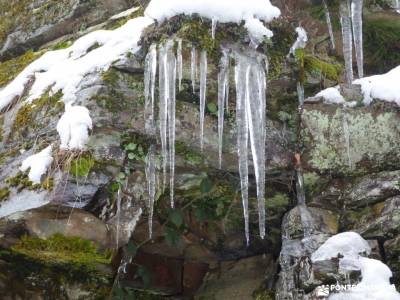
(350, 158)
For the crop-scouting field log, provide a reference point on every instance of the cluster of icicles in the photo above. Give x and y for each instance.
(250, 78)
(352, 32)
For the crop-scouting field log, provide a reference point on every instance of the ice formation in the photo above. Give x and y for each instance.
(73, 127)
(203, 92)
(347, 37)
(38, 164)
(301, 40)
(356, 21)
(67, 69)
(329, 24)
(222, 11)
(250, 78)
(375, 283)
(223, 95)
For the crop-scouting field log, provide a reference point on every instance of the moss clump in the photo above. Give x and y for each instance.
(26, 116)
(264, 295)
(81, 166)
(61, 249)
(1, 128)
(11, 14)
(309, 64)
(11, 68)
(21, 181)
(381, 43)
(191, 157)
(4, 194)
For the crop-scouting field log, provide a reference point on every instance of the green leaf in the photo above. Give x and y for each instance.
(131, 146)
(114, 187)
(121, 175)
(131, 155)
(171, 236)
(206, 186)
(176, 217)
(145, 275)
(132, 249)
(212, 107)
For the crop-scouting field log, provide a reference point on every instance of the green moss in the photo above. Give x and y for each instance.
(264, 295)
(62, 45)
(11, 14)
(21, 181)
(191, 157)
(111, 77)
(61, 249)
(4, 194)
(9, 69)
(81, 166)
(25, 119)
(1, 128)
(278, 200)
(309, 64)
(381, 43)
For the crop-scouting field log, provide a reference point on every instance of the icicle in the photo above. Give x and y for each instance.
(180, 64)
(300, 94)
(329, 23)
(163, 108)
(193, 72)
(347, 39)
(397, 6)
(242, 139)
(223, 94)
(150, 127)
(356, 18)
(255, 107)
(203, 91)
(171, 121)
(151, 184)
(213, 28)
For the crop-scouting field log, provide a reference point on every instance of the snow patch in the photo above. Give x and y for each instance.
(301, 40)
(66, 69)
(383, 87)
(221, 11)
(38, 164)
(73, 127)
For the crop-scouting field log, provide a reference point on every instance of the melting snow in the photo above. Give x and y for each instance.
(73, 127)
(66, 69)
(301, 40)
(38, 164)
(383, 87)
(222, 11)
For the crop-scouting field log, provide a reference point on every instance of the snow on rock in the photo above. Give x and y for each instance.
(222, 11)
(301, 40)
(349, 244)
(66, 69)
(73, 127)
(383, 87)
(38, 164)
(349, 247)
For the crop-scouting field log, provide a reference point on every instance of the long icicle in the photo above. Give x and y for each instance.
(223, 94)
(150, 78)
(193, 73)
(356, 18)
(329, 23)
(203, 92)
(171, 121)
(255, 108)
(345, 21)
(242, 139)
(179, 64)
(163, 108)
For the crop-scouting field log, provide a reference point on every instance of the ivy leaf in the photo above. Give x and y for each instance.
(212, 107)
(171, 236)
(206, 186)
(132, 249)
(121, 176)
(131, 146)
(145, 275)
(131, 155)
(176, 217)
